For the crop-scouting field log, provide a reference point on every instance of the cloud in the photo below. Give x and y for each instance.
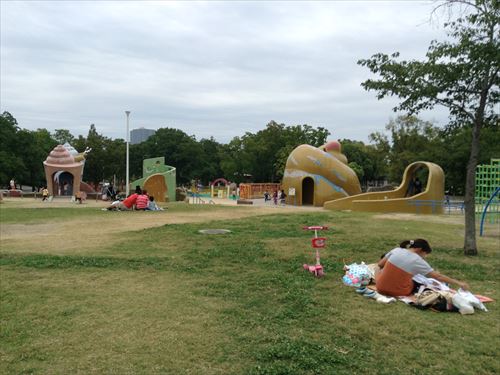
(209, 68)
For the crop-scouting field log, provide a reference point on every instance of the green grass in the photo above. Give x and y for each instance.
(15, 215)
(171, 300)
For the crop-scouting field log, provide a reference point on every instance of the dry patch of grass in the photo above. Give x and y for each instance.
(102, 229)
(108, 322)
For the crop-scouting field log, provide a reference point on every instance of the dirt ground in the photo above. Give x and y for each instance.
(106, 226)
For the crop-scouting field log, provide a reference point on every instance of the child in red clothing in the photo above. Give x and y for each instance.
(142, 201)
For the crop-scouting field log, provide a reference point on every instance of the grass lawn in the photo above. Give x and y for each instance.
(146, 293)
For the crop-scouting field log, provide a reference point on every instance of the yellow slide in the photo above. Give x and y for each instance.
(402, 199)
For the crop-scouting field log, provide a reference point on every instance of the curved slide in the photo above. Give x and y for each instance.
(426, 202)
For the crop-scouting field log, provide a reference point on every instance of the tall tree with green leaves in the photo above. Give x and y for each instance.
(63, 135)
(461, 74)
(11, 161)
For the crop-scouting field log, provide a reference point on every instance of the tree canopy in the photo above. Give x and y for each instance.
(460, 73)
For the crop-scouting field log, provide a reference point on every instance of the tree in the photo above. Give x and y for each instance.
(412, 140)
(96, 159)
(461, 74)
(179, 149)
(37, 145)
(11, 161)
(62, 136)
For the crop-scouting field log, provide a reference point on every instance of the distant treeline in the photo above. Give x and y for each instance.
(261, 156)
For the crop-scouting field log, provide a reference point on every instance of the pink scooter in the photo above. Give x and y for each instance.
(317, 243)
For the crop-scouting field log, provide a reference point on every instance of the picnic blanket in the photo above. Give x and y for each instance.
(432, 293)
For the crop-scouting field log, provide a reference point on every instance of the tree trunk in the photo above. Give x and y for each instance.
(470, 247)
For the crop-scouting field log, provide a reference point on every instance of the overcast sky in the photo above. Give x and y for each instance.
(208, 68)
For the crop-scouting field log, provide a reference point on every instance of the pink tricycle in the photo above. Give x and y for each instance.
(317, 243)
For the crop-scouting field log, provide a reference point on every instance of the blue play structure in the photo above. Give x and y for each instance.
(492, 208)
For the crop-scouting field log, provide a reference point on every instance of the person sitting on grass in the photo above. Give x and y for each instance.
(125, 205)
(152, 206)
(401, 264)
(142, 201)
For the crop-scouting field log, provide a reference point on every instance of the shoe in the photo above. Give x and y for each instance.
(370, 293)
(383, 299)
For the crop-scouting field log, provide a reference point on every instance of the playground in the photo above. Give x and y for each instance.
(86, 291)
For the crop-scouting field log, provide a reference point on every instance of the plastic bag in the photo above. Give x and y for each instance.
(465, 301)
(472, 299)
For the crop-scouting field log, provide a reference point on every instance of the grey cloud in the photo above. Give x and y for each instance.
(211, 69)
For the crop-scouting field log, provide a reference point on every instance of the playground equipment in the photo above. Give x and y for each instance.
(64, 171)
(257, 190)
(494, 209)
(429, 201)
(230, 188)
(314, 175)
(317, 243)
(487, 192)
(321, 177)
(158, 179)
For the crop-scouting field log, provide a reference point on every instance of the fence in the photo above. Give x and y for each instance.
(253, 191)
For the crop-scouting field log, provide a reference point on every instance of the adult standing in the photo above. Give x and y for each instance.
(12, 184)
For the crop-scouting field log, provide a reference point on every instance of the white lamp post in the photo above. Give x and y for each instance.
(127, 190)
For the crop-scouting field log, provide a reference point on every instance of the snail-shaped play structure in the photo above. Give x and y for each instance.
(320, 176)
(315, 175)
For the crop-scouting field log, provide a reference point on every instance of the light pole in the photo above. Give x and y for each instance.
(127, 190)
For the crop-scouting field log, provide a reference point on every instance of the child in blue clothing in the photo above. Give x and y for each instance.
(152, 206)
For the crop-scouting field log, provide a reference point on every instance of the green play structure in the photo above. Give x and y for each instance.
(487, 199)
(487, 179)
(158, 179)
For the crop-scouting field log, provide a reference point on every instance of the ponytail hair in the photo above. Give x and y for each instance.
(404, 244)
(418, 243)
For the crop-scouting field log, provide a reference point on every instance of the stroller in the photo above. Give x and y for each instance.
(108, 192)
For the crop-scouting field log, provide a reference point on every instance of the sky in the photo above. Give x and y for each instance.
(212, 69)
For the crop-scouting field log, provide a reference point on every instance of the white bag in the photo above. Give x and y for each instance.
(472, 299)
(465, 301)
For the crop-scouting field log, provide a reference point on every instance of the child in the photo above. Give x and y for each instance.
(282, 197)
(78, 197)
(142, 201)
(152, 206)
(45, 194)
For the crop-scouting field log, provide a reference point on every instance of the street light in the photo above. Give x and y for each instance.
(128, 141)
